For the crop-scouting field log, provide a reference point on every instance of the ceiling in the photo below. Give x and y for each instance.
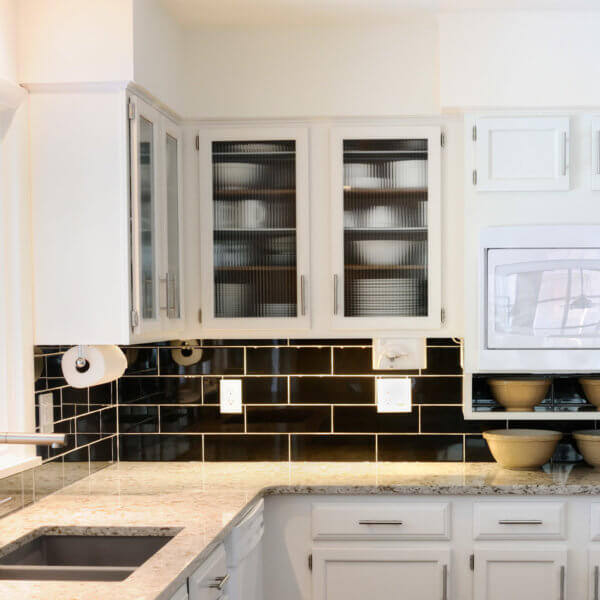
(198, 13)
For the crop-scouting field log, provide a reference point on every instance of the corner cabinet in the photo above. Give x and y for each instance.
(106, 173)
(254, 228)
(386, 229)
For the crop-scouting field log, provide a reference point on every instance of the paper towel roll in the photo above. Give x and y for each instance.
(105, 363)
(186, 354)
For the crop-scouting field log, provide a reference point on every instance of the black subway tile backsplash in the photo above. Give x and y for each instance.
(246, 448)
(366, 419)
(332, 390)
(288, 419)
(357, 361)
(333, 447)
(420, 448)
(282, 360)
(214, 361)
(442, 361)
(199, 419)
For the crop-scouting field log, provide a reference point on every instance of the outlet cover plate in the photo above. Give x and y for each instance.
(230, 396)
(393, 395)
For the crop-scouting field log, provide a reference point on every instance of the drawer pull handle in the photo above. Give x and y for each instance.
(219, 582)
(562, 583)
(596, 573)
(521, 522)
(445, 582)
(377, 522)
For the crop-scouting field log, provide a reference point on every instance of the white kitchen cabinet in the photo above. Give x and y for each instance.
(386, 230)
(106, 196)
(181, 593)
(209, 580)
(521, 154)
(357, 573)
(594, 575)
(254, 228)
(512, 571)
(595, 167)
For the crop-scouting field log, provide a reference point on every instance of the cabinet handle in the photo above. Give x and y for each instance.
(445, 582)
(562, 582)
(521, 522)
(302, 295)
(378, 522)
(335, 294)
(565, 153)
(598, 157)
(596, 572)
(171, 293)
(219, 582)
(165, 279)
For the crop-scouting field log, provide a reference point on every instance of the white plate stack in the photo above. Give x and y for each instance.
(384, 297)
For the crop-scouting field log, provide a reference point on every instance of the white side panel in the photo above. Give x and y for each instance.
(595, 159)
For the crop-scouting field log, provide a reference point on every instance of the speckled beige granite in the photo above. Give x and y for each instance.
(205, 500)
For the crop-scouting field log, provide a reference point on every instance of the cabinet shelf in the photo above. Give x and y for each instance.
(383, 267)
(255, 230)
(383, 229)
(252, 192)
(258, 268)
(251, 154)
(419, 192)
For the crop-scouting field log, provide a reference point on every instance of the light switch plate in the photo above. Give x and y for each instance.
(230, 396)
(393, 395)
(399, 353)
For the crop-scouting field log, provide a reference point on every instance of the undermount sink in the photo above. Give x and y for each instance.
(91, 556)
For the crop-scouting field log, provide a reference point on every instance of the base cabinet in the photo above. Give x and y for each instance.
(359, 573)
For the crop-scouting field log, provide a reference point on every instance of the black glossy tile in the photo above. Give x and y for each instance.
(443, 448)
(55, 382)
(366, 419)
(358, 361)
(160, 447)
(350, 448)
(245, 448)
(442, 342)
(103, 394)
(214, 361)
(437, 390)
(331, 342)
(81, 455)
(332, 390)
(102, 450)
(476, 449)
(450, 419)
(108, 421)
(138, 419)
(160, 390)
(250, 342)
(75, 395)
(53, 365)
(199, 419)
(443, 361)
(269, 361)
(288, 419)
(564, 426)
(89, 423)
(141, 361)
(255, 390)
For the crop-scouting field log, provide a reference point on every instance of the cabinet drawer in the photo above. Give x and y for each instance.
(208, 582)
(430, 521)
(519, 521)
(595, 522)
(181, 593)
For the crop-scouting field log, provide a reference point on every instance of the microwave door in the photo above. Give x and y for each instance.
(552, 303)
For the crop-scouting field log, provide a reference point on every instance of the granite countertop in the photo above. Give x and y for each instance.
(206, 500)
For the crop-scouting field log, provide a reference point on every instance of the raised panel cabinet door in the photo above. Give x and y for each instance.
(386, 236)
(361, 573)
(594, 575)
(531, 574)
(255, 228)
(521, 153)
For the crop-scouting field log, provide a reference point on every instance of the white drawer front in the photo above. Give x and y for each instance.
(528, 520)
(208, 582)
(595, 522)
(374, 521)
(181, 593)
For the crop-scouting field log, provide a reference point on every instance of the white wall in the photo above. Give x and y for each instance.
(8, 40)
(519, 59)
(75, 40)
(313, 71)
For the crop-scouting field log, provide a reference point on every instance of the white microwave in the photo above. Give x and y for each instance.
(540, 298)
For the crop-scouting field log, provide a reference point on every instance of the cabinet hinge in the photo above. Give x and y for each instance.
(200, 316)
(442, 140)
(197, 142)
(474, 133)
(474, 176)
(310, 562)
(135, 319)
(443, 315)
(472, 562)
(131, 110)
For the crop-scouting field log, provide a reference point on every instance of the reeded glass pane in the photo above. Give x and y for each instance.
(146, 183)
(254, 204)
(385, 228)
(173, 275)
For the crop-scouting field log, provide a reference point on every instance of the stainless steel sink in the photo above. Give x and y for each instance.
(42, 555)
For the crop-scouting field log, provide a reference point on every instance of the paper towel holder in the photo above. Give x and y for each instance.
(81, 363)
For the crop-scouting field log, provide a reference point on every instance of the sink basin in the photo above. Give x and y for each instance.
(88, 557)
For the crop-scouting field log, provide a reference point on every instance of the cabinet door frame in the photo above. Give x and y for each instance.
(300, 136)
(485, 127)
(516, 553)
(321, 556)
(149, 326)
(595, 166)
(433, 319)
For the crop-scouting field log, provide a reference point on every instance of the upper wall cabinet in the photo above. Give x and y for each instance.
(521, 154)
(386, 239)
(254, 228)
(106, 196)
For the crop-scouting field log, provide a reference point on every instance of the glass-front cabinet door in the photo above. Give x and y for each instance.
(255, 215)
(386, 227)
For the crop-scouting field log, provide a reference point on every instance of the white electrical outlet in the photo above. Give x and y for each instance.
(46, 413)
(230, 396)
(393, 395)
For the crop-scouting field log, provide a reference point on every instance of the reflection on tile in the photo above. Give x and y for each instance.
(141, 361)
(138, 419)
(48, 478)
(366, 419)
(160, 447)
(12, 496)
(246, 448)
(288, 419)
(476, 449)
(101, 453)
(102, 394)
(213, 361)
(199, 419)
(332, 390)
(358, 361)
(288, 360)
(160, 390)
(437, 390)
(450, 419)
(442, 361)
(420, 448)
(75, 396)
(348, 448)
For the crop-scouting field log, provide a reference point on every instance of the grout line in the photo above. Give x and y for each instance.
(332, 418)
(331, 353)
(464, 447)
(159, 420)
(376, 447)
(289, 447)
(289, 389)
(245, 418)
(245, 361)
(203, 456)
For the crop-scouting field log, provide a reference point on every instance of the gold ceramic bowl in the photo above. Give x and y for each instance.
(591, 389)
(588, 442)
(519, 395)
(522, 449)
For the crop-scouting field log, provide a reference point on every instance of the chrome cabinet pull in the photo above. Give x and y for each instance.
(562, 582)
(596, 573)
(565, 153)
(378, 522)
(445, 582)
(165, 279)
(302, 295)
(219, 582)
(171, 295)
(520, 522)
(335, 294)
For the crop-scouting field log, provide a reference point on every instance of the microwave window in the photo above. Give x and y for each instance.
(544, 293)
